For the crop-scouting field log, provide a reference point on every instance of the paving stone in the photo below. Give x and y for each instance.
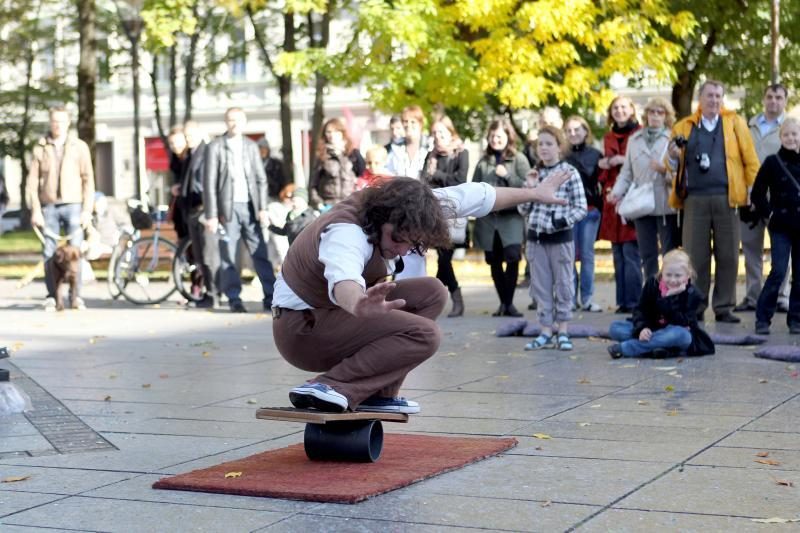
(109, 515)
(56, 480)
(513, 406)
(784, 440)
(788, 460)
(323, 523)
(724, 491)
(488, 512)
(13, 502)
(565, 480)
(622, 521)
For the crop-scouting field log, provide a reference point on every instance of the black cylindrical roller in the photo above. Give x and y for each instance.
(358, 441)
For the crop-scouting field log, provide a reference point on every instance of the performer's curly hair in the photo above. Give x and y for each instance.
(411, 207)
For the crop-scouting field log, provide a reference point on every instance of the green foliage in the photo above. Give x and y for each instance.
(165, 19)
(503, 55)
(740, 56)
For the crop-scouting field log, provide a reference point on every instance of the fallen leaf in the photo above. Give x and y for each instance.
(107, 399)
(763, 381)
(233, 474)
(762, 454)
(775, 520)
(112, 375)
(666, 368)
(202, 343)
(548, 503)
(595, 406)
(244, 348)
(542, 436)
(573, 357)
(669, 388)
(96, 338)
(675, 374)
(628, 366)
(163, 376)
(451, 354)
(784, 482)
(539, 448)
(584, 381)
(206, 354)
(643, 402)
(16, 346)
(770, 462)
(584, 424)
(14, 479)
(252, 401)
(674, 412)
(502, 377)
(491, 362)
(145, 385)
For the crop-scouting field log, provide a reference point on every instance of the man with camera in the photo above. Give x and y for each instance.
(715, 164)
(764, 129)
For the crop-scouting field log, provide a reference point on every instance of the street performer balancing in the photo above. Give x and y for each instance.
(332, 310)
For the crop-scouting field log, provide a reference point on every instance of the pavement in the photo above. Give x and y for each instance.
(124, 395)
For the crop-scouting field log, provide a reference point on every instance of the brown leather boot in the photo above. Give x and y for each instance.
(458, 304)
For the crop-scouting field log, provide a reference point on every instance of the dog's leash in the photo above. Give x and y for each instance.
(40, 234)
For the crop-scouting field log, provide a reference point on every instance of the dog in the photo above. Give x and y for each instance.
(64, 267)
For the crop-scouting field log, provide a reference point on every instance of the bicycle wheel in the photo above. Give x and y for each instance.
(124, 240)
(187, 273)
(143, 272)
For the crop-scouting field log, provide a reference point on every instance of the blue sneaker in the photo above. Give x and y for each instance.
(311, 395)
(378, 404)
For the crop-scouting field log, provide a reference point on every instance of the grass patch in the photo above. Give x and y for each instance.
(19, 241)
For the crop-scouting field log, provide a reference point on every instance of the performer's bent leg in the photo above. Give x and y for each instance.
(362, 357)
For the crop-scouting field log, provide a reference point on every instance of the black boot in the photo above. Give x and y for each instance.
(458, 304)
(501, 311)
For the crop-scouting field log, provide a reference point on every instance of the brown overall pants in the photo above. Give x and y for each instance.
(361, 357)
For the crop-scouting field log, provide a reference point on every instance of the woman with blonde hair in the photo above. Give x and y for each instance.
(657, 232)
(621, 119)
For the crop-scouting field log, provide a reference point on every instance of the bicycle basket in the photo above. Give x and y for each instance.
(141, 219)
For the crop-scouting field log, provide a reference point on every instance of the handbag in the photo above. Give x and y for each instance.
(638, 202)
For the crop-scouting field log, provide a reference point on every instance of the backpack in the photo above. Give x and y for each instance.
(294, 226)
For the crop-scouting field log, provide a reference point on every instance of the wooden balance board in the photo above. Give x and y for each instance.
(348, 436)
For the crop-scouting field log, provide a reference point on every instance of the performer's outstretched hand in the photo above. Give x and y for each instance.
(374, 302)
(548, 187)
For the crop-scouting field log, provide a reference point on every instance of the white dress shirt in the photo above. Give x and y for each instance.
(345, 250)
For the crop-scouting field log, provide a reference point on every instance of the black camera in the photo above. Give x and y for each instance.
(680, 141)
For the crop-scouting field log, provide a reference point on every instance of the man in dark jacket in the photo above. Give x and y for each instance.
(235, 195)
(190, 198)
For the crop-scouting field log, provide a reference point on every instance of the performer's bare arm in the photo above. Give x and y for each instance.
(351, 297)
(543, 193)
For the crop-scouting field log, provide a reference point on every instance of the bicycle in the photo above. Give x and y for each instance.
(148, 269)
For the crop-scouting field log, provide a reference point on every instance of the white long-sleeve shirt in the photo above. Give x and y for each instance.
(345, 250)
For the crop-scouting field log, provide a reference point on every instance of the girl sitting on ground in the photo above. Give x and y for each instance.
(551, 248)
(664, 323)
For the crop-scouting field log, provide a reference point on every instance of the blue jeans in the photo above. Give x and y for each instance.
(244, 224)
(676, 337)
(585, 233)
(57, 216)
(627, 273)
(784, 246)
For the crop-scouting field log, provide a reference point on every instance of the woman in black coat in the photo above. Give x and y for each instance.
(446, 165)
(776, 197)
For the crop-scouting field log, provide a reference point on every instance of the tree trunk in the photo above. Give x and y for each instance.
(188, 68)
(285, 91)
(25, 215)
(682, 91)
(157, 103)
(320, 81)
(173, 85)
(775, 34)
(87, 74)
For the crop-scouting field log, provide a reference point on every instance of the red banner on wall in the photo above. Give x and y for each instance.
(156, 157)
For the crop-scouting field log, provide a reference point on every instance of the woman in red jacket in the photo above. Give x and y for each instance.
(621, 119)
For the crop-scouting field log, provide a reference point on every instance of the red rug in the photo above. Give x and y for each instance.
(287, 472)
